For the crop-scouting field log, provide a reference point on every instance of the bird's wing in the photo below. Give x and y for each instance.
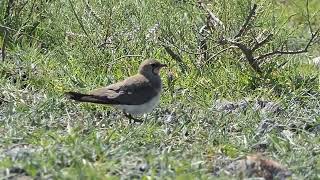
(135, 90)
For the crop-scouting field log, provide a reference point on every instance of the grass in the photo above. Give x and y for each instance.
(55, 46)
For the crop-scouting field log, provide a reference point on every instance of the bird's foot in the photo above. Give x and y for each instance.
(129, 116)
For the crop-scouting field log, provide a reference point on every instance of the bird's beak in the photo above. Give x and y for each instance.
(162, 65)
(158, 68)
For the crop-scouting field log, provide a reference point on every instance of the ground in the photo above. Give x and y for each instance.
(213, 115)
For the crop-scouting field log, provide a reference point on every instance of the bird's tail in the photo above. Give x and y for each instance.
(85, 97)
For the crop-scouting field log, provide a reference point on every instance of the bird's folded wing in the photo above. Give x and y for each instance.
(126, 93)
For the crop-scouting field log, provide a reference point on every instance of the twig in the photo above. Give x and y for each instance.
(202, 42)
(3, 47)
(218, 53)
(175, 46)
(203, 49)
(129, 55)
(244, 27)
(79, 21)
(94, 14)
(8, 28)
(8, 9)
(304, 50)
(215, 20)
(247, 52)
(6, 22)
(173, 54)
(308, 16)
(212, 22)
(261, 43)
(182, 49)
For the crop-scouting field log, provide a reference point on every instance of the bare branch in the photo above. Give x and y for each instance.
(215, 21)
(280, 52)
(10, 29)
(79, 21)
(218, 53)
(308, 16)
(258, 45)
(203, 49)
(176, 57)
(212, 22)
(93, 13)
(162, 40)
(247, 52)
(6, 22)
(202, 42)
(244, 27)
(173, 54)
(3, 46)
(129, 55)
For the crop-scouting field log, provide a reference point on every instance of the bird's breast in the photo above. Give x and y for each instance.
(141, 108)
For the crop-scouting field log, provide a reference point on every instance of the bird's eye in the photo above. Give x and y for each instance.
(153, 65)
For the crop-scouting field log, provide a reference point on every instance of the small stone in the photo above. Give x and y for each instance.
(143, 167)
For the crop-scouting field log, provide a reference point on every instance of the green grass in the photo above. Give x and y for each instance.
(53, 47)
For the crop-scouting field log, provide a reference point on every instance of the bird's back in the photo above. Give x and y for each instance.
(134, 90)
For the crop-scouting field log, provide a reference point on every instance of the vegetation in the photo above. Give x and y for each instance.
(216, 107)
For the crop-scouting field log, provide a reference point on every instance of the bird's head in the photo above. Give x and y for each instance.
(150, 67)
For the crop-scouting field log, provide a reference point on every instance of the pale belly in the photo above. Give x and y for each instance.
(140, 109)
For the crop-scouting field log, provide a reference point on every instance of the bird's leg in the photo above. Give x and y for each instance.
(129, 116)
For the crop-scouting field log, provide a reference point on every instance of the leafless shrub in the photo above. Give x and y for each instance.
(253, 42)
(264, 37)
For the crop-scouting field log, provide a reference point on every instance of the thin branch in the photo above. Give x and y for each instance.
(203, 48)
(308, 16)
(280, 52)
(182, 49)
(79, 21)
(3, 46)
(247, 52)
(214, 19)
(202, 42)
(93, 13)
(176, 57)
(261, 43)
(244, 27)
(129, 55)
(162, 40)
(8, 28)
(241, 46)
(8, 9)
(173, 54)
(6, 22)
(218, 53)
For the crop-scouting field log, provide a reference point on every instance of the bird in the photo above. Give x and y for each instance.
(136, 95)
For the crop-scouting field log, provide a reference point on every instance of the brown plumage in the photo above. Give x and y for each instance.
(134, 95)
